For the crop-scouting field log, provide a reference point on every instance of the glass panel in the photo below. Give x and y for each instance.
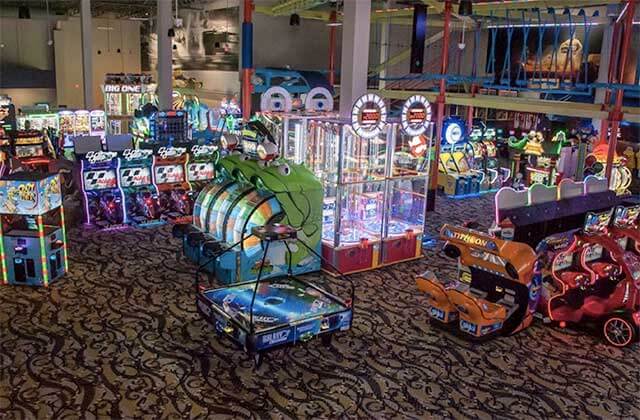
(363, 159)
(406, 205)
(410, 156)
(322, 150)
(294, 141)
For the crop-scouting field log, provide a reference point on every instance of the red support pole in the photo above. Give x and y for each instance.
(444, 65)
(332, 47)
(247, 59)
(616, 115)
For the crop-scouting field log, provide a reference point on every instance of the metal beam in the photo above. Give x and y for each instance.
(404, 54)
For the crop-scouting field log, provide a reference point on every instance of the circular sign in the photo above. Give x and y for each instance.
(368, 116)
(453, 131)
(416, 115)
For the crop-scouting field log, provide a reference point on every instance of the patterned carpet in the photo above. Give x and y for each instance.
(119, 337)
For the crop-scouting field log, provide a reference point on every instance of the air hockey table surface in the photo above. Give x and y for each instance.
(286, 310)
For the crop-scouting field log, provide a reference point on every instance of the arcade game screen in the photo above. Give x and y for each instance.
(597, 223)
(563, 261)
(626, 216)
(200, 171)
(29, 150)
(593, 252)
(169, 174)
(135, 177)
(99, 180)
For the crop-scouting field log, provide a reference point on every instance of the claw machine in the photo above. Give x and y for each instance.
(375, 177)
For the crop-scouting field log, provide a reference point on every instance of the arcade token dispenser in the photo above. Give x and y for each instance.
(33, 247)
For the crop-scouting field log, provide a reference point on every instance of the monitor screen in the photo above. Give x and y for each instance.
(200, 171)
(563, 261)
(168, 174)
(99, 180)
(625, 217)
(135, 177)
(596, 223)
(593, 252)
(29, 150)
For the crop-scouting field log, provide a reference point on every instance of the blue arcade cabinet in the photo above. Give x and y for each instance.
(33, 245)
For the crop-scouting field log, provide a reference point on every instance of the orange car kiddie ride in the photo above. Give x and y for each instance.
(497, 288)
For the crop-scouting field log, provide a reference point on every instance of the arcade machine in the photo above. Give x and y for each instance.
(33, 245)
(140, 197)
(38, 121)
(98, 123)
(596, 163)
(485, 157)
(82, 126)
(375, 176)
(497, 286)
(249, 193)
(280, 311)
(289, 127)
(539, 161)
(201, 166)
(168, 128)
(171, 184)
(123, 95)
(7, 114)
(624, 228)
(456, 174)
(101, 193)
(66, 123)
(590, 278)
(33, 150)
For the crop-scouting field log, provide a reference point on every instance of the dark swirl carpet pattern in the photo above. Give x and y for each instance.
(119, 337)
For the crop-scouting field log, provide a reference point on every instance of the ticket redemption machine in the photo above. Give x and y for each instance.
(172, 186)
(375, 176)
(289, 126)
(456, 175)
(496, 289)
(33, 149)
(101, 192)
(98, 123)
(140, 197)
(245, 194)
(33, 246)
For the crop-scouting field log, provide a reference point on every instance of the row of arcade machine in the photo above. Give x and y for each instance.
(144, 186)
(468, 164)
(568, 253)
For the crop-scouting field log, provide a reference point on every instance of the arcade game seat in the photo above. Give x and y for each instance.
(436, 291)
(478, 316)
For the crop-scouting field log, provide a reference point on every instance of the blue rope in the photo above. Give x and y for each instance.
(585, 46)
(491, 62)
(569, 55)
(556, 40)
(506, 65)
(476, 44)
(526, 28)
(538, 63)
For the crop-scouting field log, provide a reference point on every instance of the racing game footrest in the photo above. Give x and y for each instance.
(478, 316)
(440, 308)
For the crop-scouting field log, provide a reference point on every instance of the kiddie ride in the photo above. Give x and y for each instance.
(585, 269)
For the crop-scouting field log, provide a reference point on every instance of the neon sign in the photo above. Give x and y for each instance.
(98, 157)
(134, 154)
(167, 152)
(369, 116)
(416, 115)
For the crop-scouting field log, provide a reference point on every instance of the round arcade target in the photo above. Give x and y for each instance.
(276, 99)
(369, 116)
(416, 115)
(318, 99)
(453, 130)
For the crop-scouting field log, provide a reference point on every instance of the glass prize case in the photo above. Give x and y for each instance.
(374, 193)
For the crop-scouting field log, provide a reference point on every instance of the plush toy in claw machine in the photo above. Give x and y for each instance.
(33, 247)
(174, 190)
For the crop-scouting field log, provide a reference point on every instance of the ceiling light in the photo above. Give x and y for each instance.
(294, 20)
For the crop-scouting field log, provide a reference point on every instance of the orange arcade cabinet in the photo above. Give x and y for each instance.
(497, 287)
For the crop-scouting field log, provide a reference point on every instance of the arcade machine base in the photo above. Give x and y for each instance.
(286, 310)
(143, 222)
(176, 218)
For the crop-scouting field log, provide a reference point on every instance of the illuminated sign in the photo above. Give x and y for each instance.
(97, 157)
(470, 239)
(134, 154)
(122, 88)
(369, 116)
(416, 115)
(168, 152)
(203, 150)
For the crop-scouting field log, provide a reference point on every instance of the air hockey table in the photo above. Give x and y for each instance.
(267, 314)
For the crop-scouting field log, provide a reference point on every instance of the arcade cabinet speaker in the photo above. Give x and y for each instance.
(418, 36)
